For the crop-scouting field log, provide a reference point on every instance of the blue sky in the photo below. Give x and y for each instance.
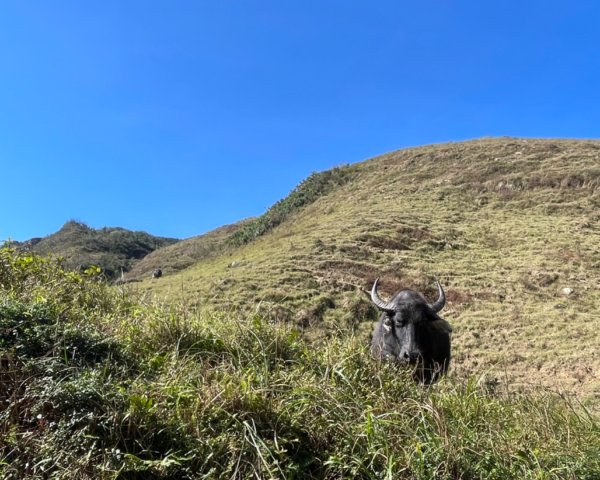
(178, 117)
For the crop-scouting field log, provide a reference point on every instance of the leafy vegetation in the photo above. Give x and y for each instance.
(98, 384)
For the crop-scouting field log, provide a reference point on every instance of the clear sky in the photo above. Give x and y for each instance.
(176, 117)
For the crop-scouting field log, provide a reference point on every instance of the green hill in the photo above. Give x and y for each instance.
(112, 249)
(510, 226)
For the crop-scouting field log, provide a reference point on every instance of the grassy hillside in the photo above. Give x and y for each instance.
(97, 384)
(225, 240)
(112, 249)
(181, 255)
(506, 224)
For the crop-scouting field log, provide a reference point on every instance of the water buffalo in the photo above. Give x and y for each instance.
(410, 332)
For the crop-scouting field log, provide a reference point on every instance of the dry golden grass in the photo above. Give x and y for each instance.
(506, 224)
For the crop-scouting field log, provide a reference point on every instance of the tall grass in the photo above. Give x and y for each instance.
(95, 383)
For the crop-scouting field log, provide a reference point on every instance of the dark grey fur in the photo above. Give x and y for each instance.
(411, 333)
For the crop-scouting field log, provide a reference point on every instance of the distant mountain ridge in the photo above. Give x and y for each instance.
(113, 249)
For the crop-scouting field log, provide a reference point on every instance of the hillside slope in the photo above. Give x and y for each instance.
(111, 248)
(508, 225)
(181, 255)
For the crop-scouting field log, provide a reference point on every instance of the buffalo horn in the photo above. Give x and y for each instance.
(441, 301)
(379, 303)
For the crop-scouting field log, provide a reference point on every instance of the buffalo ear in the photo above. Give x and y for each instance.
(431, 315)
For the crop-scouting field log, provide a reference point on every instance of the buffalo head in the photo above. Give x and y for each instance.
(411, 333)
